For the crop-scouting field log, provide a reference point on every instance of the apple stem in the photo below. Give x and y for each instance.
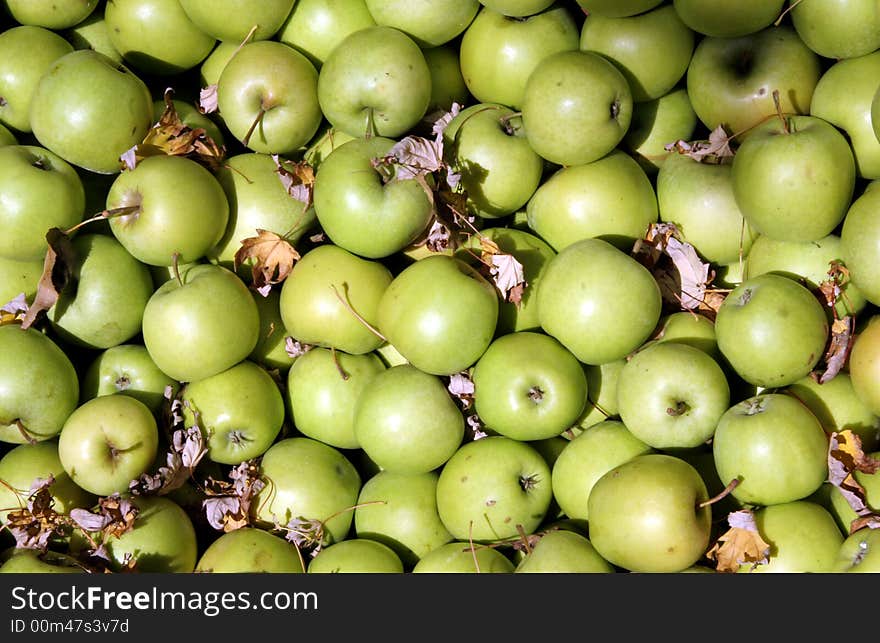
(175, 268)
(786, 125)
(24, 432)
(524, 539)
(724, 493)
(536, 394)
(105, 214)
(257, 121)
(350, 309)
(782, 15)
(505, 123)
(371, 124)
(680, 408)
(342, 373)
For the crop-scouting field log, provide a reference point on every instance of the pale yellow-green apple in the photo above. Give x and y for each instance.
(858, 553)
(7, 137)
(39, 385)
(860, 242)
(156, 36)
(598, 301)
(731, 80)
(563, 551)
(315, 27)
(611, 198)
(19, 277)
(17, 560)
(633, 44)
(618, 8)
(838, 29)
(107, 442)
(356, 556)
(92, 33)
(864, 363)
(429, 22)
(250, 550)
(726, 20)
(237, 20)
(90, 110)
(774, 446)
(688, 327)
(576, 107)
(26, 52)
(601, 396)
(271, 348)
(51, 14)
(498, 52)
(267, 95)
(447, 82)
(517, 8)
(657, 123)
(463, 557)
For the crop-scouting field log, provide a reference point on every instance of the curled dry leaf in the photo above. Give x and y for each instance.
(208, 99)
(461, 387)
(228, 505)
(717, 149)
(845, 457)
(306, 533)
(504, 270)
(741, 544)
(273, 258)
(185, 452)
(35, 523)
(114, 516)
(13, 311)
(294, 348)
(297, 177)
(58, 269)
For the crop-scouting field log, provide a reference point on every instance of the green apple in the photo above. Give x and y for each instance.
(162, 540)
(671, 395)
(698, 198)
(200, 325)
(26, 52)
(400, 510)
(809, 261)
(500, 171)
(657, 123)
(92, 33)
(447, 82)
(31, 561)
(610, 198)
(406, 421)
(90, 110)
(240, 411)
(107, 442)
(189, 114)
(857, 553)
(356, 555)
(860, 243)
(249, 550)
(632, 42)
(688, 327)
(462, 557)
(7, 137)
(156, 36)
(315, 27)
(839, 504)
(331, 298)
(440, 313)
(649, 514)
(105, 305)
(310, 480)
(361, 213)
(864, 365)
(794, 177)
(576, 107)
(517, 8)
(51, 14)
(774, 446)
(267, 95)
(39, 190)
(731, 80)
(39, 385)
(498, 53)
(596, 450)
(163, 223)
(19, 277)
(563, 551)
(617, 8)
(843, 96)
(271, 348)
(772, 330)
(528, 386)
(375, 81)
(598, 301)
(601, 395)
(23, 464)
(492, 488)
(726, 20)
(323, 386)
(258, 200)
(214, 63)
(236, 20)
(842, 29)
(430, 23)
(127, 369)
(803, 538)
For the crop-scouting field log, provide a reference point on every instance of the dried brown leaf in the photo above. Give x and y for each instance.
(297, 177)
(228, 505)
(741, 544)
(716, 149)
(58, 267)
(272, 255)
(187, 449)
(13, 311)
(845, 457)
(208, 99)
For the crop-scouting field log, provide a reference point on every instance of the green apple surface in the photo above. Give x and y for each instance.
(576, 107)
(836, 30)
(617, 8)
(240, 412)
(39, 385)
(200, 325)
(772, 330)
(331, 298)
(362, 213)
(375, 81)
(39, 190)
(517, 8)
(406, 421)
(267, 95)
(51, 14)
(687, 327)
(31, 561)
(656, 123)
(90, 110)
(586, 458)
(323, 386)
(726, 20)
(528, 386)
(864, 365)
(447, 82)
(356, 556)
(19, 277)
(610, 198)
(498, 53)
(26, 52)
(601, 395)
(839, 503)
(566, 552)
(774, 445)
(858, 553)
(462, 557)
(315, 27)
(271, 348)
(107, 442)
(598, 301)
(648, 514)
(860, 243)
(92, 33)
(440, 314)
(793, 178)
(156, 36)
(630, 43)
(7, 137)
(249, 550)
(492, 488)
(400, 510)
(430, 23)
(237, 20)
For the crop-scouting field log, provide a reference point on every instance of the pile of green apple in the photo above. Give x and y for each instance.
(449, 363)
